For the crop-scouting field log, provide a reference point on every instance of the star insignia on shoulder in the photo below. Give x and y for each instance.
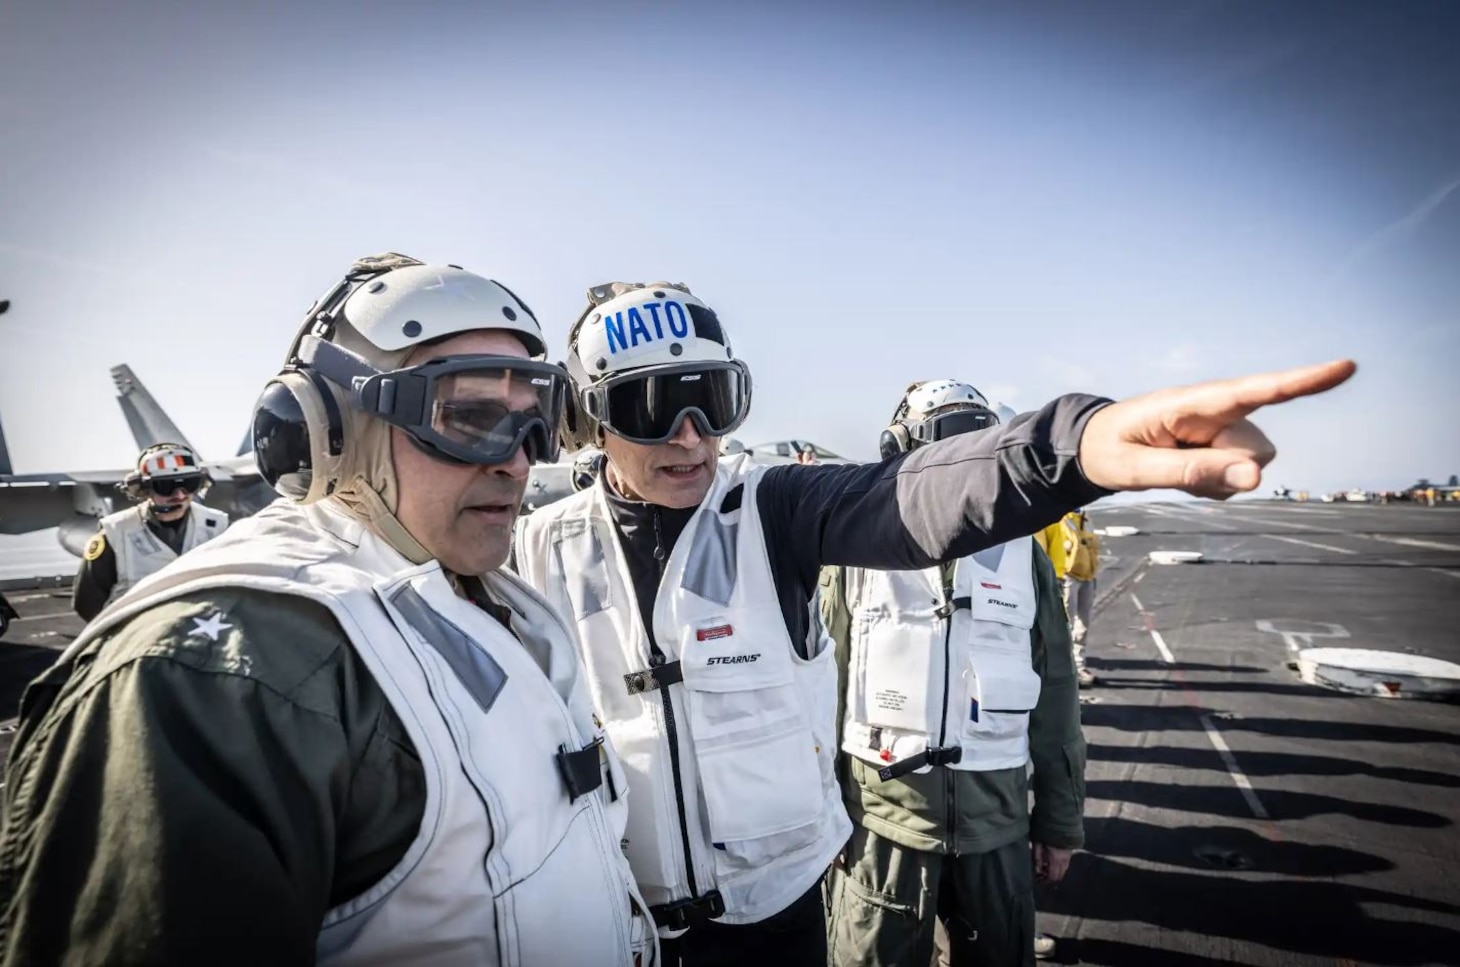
(211, 626)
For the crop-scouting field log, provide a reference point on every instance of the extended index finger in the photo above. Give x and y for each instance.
(1232, 399)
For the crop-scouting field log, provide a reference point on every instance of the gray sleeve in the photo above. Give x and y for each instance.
(939, 503)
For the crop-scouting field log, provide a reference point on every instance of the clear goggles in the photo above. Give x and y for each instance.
(941, 426)
(469, 409)
(648, 406)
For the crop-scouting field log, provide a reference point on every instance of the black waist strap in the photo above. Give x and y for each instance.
(649, 679)
(582, 770)
(928, 757)
(955, 604)
(686, 913)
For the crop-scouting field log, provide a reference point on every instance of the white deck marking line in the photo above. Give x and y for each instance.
(1169, 658)
(1440, 570)
(1412, 542)
(1161, 646)
(1299, 540)
(38, 617)
(1245, 787)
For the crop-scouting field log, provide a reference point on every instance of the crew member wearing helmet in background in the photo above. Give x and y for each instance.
(1082, 561)
(341, 733)
(166, 523)
(692, 581)
(970, 658)
(587, 465)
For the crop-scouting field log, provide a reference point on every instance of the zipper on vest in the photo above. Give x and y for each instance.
(656, 658)
(943, 724)
(947, 668)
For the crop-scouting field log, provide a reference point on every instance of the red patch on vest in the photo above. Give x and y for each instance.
(886, 755)
(709, 634)
(991, 586)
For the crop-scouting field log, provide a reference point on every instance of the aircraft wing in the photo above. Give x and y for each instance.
(38, 501)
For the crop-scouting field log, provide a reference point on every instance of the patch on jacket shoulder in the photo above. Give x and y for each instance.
(95, 547)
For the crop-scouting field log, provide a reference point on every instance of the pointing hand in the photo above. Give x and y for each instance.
(1196, 438)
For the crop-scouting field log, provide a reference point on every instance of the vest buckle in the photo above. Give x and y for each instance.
(582, 770)
(682, 914)
(648, 679)
(946, 756)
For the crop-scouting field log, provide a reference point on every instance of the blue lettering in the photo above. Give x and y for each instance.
(653, 308)
(614, 326)
(636, 326)
(672, 309)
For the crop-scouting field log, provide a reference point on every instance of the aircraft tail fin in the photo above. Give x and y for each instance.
(246, 447)
(148, 421)
(5, 468)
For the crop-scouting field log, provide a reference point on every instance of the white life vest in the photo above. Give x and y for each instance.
(943, 682)
(744, 805)
(515, 862)
(140, 552)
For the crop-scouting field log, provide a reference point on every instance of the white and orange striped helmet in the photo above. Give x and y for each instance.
(167, 460)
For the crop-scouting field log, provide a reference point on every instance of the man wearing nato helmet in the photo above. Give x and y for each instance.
(957, 678)
(692, 581)
(340, 733)
(141, 540)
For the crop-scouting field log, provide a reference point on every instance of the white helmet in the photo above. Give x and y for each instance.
(321, 422)
(587, 465)
(169, 462)
(417, 303)
(1004, 412)
(667, 343)
(934, 410)
(924, 399)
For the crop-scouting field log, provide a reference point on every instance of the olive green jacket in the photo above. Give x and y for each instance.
(957, 811)
(199, 786)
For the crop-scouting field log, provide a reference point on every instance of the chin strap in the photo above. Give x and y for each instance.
(365, 505)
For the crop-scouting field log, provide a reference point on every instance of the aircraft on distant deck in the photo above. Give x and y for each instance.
(782, 451)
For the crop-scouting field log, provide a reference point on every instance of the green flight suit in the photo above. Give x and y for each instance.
(956, 843)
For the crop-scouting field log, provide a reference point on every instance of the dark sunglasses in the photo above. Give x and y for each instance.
(167, 486)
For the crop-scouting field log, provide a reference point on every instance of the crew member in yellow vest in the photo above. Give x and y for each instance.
(1051, 540)
(139, 541)
(1082, 561)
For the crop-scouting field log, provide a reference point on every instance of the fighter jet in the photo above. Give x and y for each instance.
(784, 451)
(73, 502)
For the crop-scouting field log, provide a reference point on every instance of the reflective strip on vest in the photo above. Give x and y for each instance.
(490, 712)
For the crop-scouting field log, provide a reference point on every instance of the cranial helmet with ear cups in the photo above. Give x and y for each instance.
(161, 461)
(645, 357)
(933, 410)
(385, 306)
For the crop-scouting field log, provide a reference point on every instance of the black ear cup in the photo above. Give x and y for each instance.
(894, 440)
(298, 436)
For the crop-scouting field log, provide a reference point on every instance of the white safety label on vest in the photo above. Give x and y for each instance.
(897, 685)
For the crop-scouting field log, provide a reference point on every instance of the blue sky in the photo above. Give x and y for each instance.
(1037, 198)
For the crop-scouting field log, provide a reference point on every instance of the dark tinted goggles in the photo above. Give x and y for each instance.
(468, 409)
(941, 426)
(167, 486)
(649, 405)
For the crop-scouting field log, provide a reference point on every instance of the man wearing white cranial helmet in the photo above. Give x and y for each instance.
(693, 580)
(141, 540)
(341, 733)
(956, 678)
